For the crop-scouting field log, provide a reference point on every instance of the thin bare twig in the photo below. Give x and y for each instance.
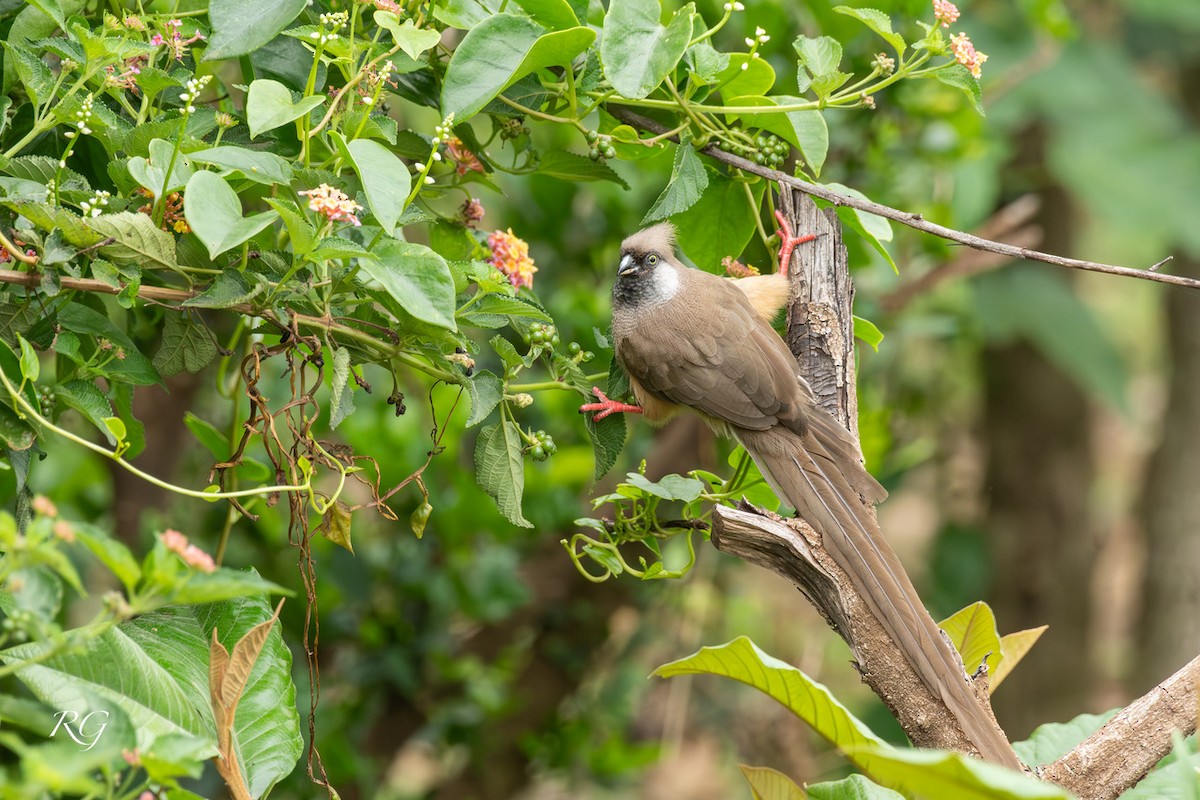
(910, 219)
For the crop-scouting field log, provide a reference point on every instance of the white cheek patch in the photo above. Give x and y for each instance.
(666, 282)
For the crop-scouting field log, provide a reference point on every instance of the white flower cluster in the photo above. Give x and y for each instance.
(444, 131)
(82, 117)
(331, 23)
(191, 92)
(95, 206)
(734, 7)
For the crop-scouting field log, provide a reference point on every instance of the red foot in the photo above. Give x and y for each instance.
(606, 406)
(788, 242)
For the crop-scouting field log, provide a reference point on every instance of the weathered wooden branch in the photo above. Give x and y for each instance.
(821, 335)
(1121, 753)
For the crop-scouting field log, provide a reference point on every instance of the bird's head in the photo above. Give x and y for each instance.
(648, 268)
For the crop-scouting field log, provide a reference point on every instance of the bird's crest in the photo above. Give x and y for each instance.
(658, 238)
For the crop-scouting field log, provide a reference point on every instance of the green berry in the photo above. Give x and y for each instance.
(539, 453)
(592, 136)
(419, 517)
(573, 348)
(588, 355)
(594, 154)
(538, 337)
(610, 152)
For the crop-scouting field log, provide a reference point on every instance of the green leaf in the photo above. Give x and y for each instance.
(1176, 778)
(335, 525)
(269, 105)
(134, 368)
(300, 230)
(487, 390)
(856, 787)
(84, 397)
(384, 177)
(240, 27)
(874, 229)
(867, 331)
(500, 469)
(556, 15)
(960, 77)
(116, 427)
(47, 217)
(266, 727)
(756, 79)
(819, 56)
(574, 167)
(341, 403)
(1054, 740)
(608, 439)
(770, 784)
(498, 310)
(337, 247)
(719, 224)
(743, 661)
(497, 53)
(152, 174)
(689, 179)
(636, 51)
(255, 165)
(412, 40)
(935, 773)
(207, 434)
(972, 630)
(187, 345)
(214, 214)
(31, 366)
(670, 487)
(417, 278)
(136, 240)
(504, 348)
(111, 553)
(35, 76)
(806, 130)
(877, 21)
(15, 433)
(229, 289)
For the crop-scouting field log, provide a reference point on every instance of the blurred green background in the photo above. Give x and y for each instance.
(1037, 430)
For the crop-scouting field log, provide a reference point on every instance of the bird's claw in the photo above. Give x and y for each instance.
(788, 241)
(607, 406)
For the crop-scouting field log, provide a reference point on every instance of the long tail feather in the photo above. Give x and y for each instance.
(825, 485)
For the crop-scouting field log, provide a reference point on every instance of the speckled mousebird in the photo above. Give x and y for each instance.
(692, 340)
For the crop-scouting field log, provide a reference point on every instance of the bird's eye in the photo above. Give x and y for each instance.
(651, 259)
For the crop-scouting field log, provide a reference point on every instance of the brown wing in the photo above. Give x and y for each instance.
(717, 356)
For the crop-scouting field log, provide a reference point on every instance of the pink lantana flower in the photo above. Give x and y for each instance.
(510, 255)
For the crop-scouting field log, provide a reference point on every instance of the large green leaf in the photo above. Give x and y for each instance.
(240, 27)
(269, 105)
(498, 52)
(136, 240)
(856, 787)
(256, 165)
(417, 278)
(134, 368)
(973, 633)
(1054, 740)
(214, 213)
(152, 174)
(637, 51)
(500, 469)
(266, 729)
(688, 181)
(384, 177)
(720, 223)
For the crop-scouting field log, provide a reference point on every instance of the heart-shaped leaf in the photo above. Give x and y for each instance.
(417, 278)
(269, 105)
(214, 214)
(384, 177)
(152, 173)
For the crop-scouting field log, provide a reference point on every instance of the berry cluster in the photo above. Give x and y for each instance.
(542, 334)
(602, 148)
(768, 150)
(512, 128)
(580, 354)
(541, 446)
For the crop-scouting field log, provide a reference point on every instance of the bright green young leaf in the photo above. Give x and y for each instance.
(500, 469)
(720, 223)
(301, 232)
(269, 105)
(689, 179)
(877, 21)
(1013, 647)
(743, 661)
(214, 214)
(417, 278)
(856, 787)
(412, 40)
(498, 52)
(973, 632)
(384, 177)
(255, 165)
(770, 784)
(756, 79)
(465, 14)
(637, 52)
(31, 365)
(152, 173)
(820, 56)
(866, 331)
(240, 27)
